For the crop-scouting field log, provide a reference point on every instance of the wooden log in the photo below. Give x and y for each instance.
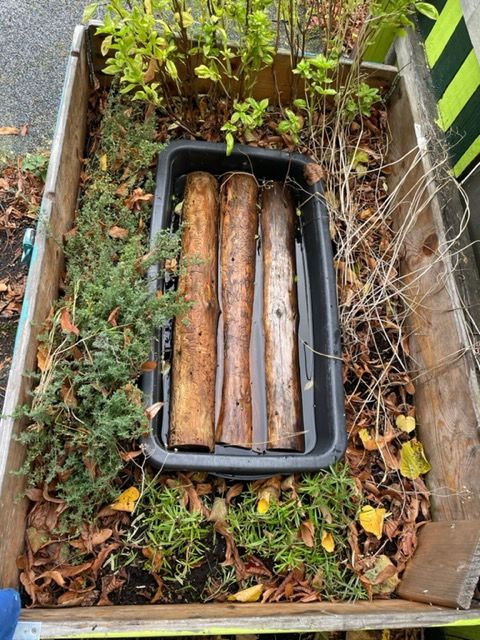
(239, 220)
(280, 320)
(192, 417)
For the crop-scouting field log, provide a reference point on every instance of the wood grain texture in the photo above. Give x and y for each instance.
(446, 564)
(443, 371)
(56, 216)
(192, 418)
(239, 226)
(229, 619)
(280, 320)
(178, 620)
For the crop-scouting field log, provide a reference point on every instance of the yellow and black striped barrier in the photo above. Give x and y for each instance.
(455, 73)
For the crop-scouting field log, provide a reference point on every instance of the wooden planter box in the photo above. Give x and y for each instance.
(445, 567)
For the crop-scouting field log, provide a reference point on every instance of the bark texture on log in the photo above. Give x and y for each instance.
(239, 222)
(192, 416)
(280, 320)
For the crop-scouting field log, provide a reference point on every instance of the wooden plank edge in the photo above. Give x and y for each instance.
(25, 330)
(446, 565)
(237, 619)
(62, 116)
(41, 289)
(405, 54)
(424, 130)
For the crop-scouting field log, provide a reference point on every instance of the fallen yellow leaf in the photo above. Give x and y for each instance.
(405, 423)
(412, 460)
(372, 519)
(328, 543)
(252, 594)
(263, 505)
(368, 442)
(126, 500)
(266, 496)
(104, 162)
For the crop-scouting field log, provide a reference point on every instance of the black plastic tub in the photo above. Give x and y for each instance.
(319, 333)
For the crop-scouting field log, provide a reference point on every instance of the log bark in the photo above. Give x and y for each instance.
(280, 320)
(192, 416)
(239, 221)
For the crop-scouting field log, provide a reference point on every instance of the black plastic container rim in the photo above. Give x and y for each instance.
(321, 262)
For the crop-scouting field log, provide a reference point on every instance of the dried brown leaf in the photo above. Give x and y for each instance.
(155, 556)
(149, 365)
(233, 492)
(307, 533)
(9, 131)
(56, 576)
(313, 173)
(102, 556)
(37, 538)
(126, 456)
(153, 409)
(66, 322)
(118, 233)
(219, 511)
(113, 317)
(44, 359)
(101, 536)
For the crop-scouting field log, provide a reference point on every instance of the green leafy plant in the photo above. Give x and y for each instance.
(389, 19)
(363, 98)
(87, 406)
(175, 536)
(291, 533)
(145, 50)
(246, 117)
(153, 39)
(37, 164)
(291, 125)
(317, 73)
(398, 13)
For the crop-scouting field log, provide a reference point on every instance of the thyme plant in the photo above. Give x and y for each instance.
(87, 406)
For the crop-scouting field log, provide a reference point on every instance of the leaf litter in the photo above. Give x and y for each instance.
(20, 196)
(111, 561)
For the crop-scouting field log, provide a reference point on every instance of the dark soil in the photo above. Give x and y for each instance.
(140, 586)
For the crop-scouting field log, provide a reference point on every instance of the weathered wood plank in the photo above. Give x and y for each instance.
(446, 566)
(55, 219)
(204, 619)
(447, 391)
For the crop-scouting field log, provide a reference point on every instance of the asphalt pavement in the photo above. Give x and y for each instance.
(35, 37)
